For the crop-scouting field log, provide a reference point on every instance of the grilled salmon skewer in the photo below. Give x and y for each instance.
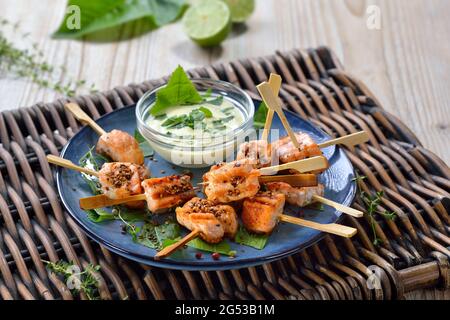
(262, 154)
(236, 180)
(116, 144)
(261, 214)
(118, 180)
(206, 220)
(161, 194)
(303, 196)
(295, 146)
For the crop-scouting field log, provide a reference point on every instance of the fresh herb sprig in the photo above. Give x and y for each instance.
(371, 203)
(29, 63)
(86, 281)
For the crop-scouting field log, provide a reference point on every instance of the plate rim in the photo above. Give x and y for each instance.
(205, 265)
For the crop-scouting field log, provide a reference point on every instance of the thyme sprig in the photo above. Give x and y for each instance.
(29, 63)
(85, 279)
(371, 203)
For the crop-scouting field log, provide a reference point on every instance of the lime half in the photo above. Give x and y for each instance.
(240, 9)
(208, 23)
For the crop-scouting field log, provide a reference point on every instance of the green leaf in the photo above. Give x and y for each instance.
(126, 214)
(99, 215)
(147, 150)
(246, 238)
(221, 247)
(99, 15)
(259, 119)
(179, 91)
(155, 236)
(217, 101)
(175, 121)
(207, 93)
(206, 111)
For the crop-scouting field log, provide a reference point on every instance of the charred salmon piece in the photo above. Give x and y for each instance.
(224, 213)
(260, 213)
(119, 180)
(298, 196)
(257, 151)
(231, 181)
(120, 146)
(166, 193)
(193, 217)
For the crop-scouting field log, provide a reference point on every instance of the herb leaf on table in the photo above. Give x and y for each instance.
(178, 91)
(92, 16)
(83, 280)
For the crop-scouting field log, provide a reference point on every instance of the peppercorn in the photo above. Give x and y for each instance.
(216, 256)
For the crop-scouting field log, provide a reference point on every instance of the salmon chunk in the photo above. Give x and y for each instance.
(297, 196)
(195, 216)
(287, 152)
(165, 193)
(121, 179)
(260, 213)
(257, 151)
(224, 213)
(232, 181)
(120, 146)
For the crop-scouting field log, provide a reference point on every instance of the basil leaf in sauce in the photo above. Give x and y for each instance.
(206, 111)
(178, 91)
(216, 101)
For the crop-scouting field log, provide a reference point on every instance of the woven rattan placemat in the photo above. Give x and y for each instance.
(412, 252)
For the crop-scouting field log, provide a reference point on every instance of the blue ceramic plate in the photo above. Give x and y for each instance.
(285, 240)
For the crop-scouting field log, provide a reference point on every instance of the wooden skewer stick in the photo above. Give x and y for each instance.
(305, 165)
(295, 180)
(101, 201)
(349, 140)
(70, 165)
(347, 210)
(167, 251)
(275, 85)
(84, 118)
(272, 103)
(333, 228)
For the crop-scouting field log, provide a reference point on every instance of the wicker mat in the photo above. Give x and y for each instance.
(412, 252)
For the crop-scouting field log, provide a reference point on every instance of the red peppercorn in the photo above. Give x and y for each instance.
(198, 255)
(216, 256)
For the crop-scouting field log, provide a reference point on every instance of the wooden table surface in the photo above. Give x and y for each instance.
(405, 63)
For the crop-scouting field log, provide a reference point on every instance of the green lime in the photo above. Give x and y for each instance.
(240, 9)
(208, 22)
